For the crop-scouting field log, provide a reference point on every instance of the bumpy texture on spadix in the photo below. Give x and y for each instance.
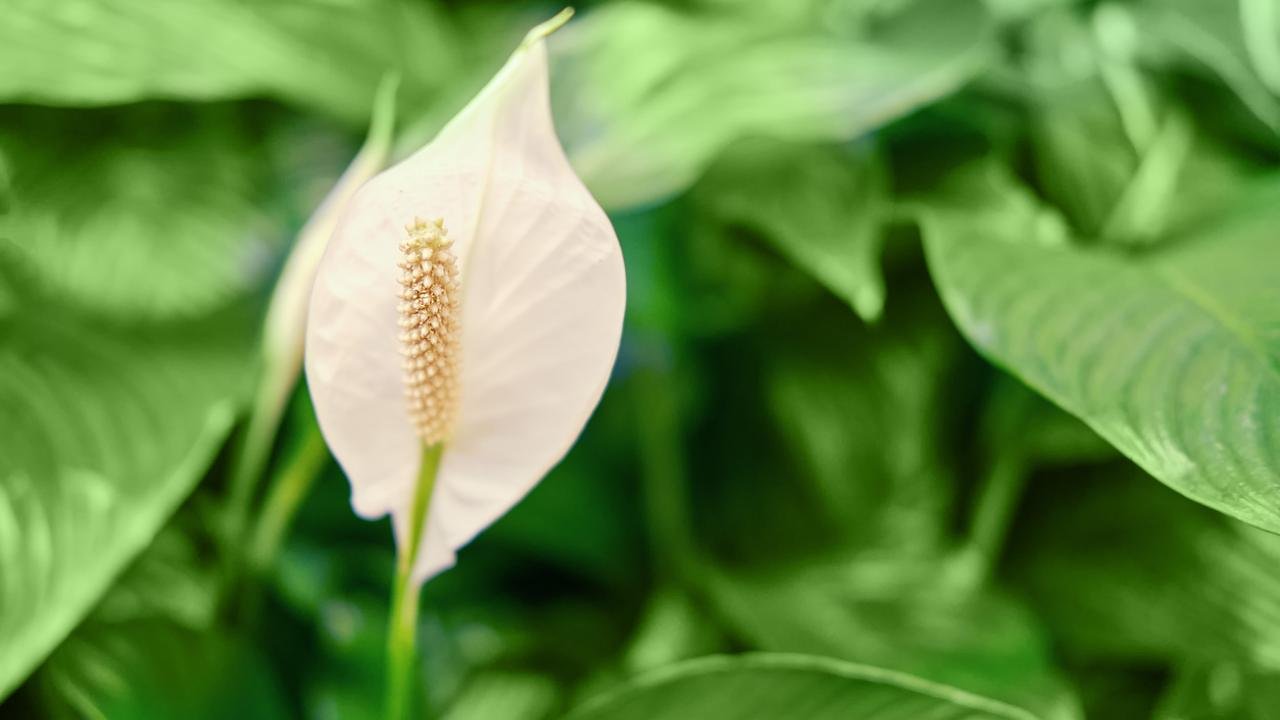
(429, 327)
(540, 299)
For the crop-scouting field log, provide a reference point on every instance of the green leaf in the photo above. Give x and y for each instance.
(106, 432)
(1122, 568)
(505, 694)
(907, 614)
(636, 122)
(1107, 149)
(1171, 355)
(820, 206)
(1227, 39)
(323, 55)
(1220, 692)
(149, 649)
(860, 411)
(770, 686)
(146, 669)
(150, 213)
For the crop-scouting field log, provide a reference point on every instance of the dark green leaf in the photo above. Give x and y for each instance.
(772, 686)
(912, 615)
(820, 206)
(1122, 568)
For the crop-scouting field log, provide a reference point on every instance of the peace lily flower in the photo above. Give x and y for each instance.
(464, 320)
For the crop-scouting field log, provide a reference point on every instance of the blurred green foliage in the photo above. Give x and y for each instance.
(933, 304)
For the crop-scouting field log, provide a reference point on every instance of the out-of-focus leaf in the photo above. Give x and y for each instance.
(641, 125)
(1106, 149)
(1220, 692)
(150, 669)
(1122, 568)
(148, 650)
(904, 614)
(1119, 691)
(1172, 355)
(104, 433)
(767, 686)
(861, 411)
(1218, 37)
(326, 55)
(167, 581)
(673, 628)
(820, 206)
(150, 213)
(513, 695)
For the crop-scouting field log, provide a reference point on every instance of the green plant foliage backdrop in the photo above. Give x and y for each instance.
(949, 385)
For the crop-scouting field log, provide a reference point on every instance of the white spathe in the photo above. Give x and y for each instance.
(543, 293)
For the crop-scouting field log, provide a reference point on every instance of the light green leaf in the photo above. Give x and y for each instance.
(772, 686)
(324, 55)
(1121, 568)
(1172, 355)
(505, 694)
(820, 206)
(1106, 148)
(1227, 38)
(154, 212)
(104, 433)
(641, 125)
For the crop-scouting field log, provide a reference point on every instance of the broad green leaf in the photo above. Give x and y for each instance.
(324, 55)
(105, 432)
(771, 686)
(820, 206)
(150, 213)
(1172, 355)
(641, 125)
(911, 615)
(1122, 568)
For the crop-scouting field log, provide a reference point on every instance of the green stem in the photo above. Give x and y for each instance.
(993, 508)
(284, 497)
(402, 631)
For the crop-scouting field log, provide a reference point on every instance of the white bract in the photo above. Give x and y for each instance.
(538, 298)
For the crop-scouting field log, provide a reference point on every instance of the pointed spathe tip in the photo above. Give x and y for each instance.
(540, 32)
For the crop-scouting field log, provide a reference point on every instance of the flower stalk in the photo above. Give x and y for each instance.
(402, 634)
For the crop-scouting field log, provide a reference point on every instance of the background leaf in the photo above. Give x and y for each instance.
(81, 492)
(323, 55)
(776, 686)
(1171, 355)
(820, 206)
(763, 79)
(1132, 571)
(156, 213)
